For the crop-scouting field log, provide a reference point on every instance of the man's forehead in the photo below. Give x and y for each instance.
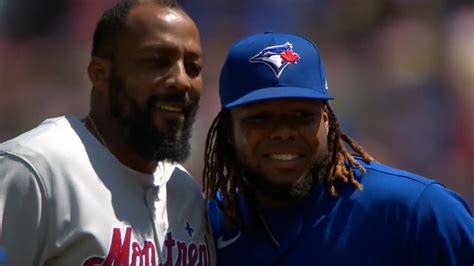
(171, 16)
(152, 14)
(154, 27)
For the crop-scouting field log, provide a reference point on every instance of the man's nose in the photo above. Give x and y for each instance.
(178, 78)
(283, 131)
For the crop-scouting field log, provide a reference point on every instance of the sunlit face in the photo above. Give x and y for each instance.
(280, 142)
(155, 81)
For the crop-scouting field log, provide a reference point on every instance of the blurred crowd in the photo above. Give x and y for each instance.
(402, 71)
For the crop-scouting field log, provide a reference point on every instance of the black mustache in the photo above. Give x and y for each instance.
(180, 99)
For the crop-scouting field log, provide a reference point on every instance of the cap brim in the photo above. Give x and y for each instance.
(273, 93)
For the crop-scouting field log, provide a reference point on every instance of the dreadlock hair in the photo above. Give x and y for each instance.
(112, 22)
(222, 173)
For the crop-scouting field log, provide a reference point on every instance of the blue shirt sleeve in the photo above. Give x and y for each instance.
(216, 218)
(442, 228)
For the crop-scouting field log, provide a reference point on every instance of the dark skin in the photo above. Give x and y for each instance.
(281, 140)
(158, 52)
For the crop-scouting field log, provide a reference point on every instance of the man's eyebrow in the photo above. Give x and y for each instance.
(163, 48)
(157, 48)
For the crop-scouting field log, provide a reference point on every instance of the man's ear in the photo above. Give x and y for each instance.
(99, 72)
(325, 115)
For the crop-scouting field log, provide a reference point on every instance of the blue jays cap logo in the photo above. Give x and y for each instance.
(277, 57)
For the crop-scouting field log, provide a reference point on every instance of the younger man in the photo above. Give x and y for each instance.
(285, 190)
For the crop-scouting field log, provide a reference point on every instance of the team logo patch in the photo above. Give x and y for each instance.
(125, 251)
(277, 57)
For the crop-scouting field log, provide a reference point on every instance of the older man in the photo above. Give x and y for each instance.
(107, 189)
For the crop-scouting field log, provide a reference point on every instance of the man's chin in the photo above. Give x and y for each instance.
(171, 154)
(291, 192)
(157, 138)
(299, 190)
(164, 150)
(169, 127)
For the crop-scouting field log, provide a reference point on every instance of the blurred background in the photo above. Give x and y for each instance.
(402, 71)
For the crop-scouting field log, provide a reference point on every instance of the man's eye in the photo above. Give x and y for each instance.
(156, 62)
(194, 69)
(254, 119)
(305, 115)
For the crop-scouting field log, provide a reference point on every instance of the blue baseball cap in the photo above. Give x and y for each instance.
(271, 65)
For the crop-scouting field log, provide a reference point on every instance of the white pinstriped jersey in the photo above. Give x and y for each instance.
(66, 200)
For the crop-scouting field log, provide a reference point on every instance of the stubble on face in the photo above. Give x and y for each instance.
(295, 192)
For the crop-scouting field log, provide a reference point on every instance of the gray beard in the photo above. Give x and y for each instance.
(258, 183)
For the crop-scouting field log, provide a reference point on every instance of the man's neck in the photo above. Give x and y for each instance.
(110, 136)
(133, 160)
(268, 202)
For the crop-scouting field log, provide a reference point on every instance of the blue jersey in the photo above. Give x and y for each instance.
(398, 219)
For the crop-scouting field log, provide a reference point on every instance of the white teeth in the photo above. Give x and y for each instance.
(283, 157)
(169, 108)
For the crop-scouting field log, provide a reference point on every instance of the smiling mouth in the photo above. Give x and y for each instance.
(170, 108)
(283, 156)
